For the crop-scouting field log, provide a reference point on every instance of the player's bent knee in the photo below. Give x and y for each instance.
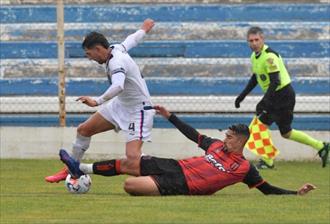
(83, 130)
(133, 149)
(131, 167)
(133, 156)
(129, 186)
(141, 186)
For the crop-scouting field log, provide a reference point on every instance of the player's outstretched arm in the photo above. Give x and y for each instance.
(89, 101)
(184, 128)
(132, 40)
(117, 86)
(305, 189)
(162, 111)
(147, 25)
(253, 179)
(268, 189)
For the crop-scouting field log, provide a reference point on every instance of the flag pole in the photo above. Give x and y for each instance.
(61, 71)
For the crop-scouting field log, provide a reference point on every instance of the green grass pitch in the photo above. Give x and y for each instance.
(27, 198)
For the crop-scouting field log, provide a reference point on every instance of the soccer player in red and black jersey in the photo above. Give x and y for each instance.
(222, 165)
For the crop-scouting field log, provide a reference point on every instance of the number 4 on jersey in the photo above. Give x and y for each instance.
(131, 127)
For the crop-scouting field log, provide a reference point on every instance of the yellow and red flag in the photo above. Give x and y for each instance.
(260, 141)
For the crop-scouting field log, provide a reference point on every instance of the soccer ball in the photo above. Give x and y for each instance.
(78, 186)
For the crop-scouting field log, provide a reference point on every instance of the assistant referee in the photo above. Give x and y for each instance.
(278, 102)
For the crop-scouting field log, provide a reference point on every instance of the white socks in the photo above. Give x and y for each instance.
(86, 168)
(78, 150)
(80, 146)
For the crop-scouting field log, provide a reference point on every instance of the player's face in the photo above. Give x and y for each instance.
(96, 54)
(233, 142)
(256, 42)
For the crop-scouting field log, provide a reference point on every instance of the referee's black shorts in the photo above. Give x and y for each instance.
(166, 173)
(281, 111)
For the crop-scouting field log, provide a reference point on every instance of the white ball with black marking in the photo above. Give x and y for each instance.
(78, 186)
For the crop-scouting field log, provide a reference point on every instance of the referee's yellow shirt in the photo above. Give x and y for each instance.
(269, 62)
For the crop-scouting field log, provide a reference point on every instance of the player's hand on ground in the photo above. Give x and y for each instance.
(162, 111)
(87, 100)
(306, 188)
(147, 25)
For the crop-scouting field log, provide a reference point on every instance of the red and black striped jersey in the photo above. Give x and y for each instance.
(217, 168)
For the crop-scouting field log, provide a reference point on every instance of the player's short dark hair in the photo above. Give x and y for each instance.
(240, 129)
(255, 30)
(94, 38)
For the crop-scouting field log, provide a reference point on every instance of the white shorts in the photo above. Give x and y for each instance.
(134, 121)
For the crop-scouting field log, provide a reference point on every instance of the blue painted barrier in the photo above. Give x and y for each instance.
(175, 31)
(301, 122)
(167, 13)
(166, 86)
(188, 49)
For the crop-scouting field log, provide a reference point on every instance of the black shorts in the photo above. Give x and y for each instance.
(166, 173)
(281, 111)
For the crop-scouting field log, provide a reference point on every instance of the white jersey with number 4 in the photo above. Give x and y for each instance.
(123, 102)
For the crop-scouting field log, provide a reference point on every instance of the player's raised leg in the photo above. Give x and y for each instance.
(135, 185)
(95, 124)
(105, 168)
(129, 165)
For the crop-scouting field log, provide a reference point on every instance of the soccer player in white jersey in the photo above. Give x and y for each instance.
(121, 105)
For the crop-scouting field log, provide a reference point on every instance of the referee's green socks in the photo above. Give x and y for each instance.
(304, 138)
